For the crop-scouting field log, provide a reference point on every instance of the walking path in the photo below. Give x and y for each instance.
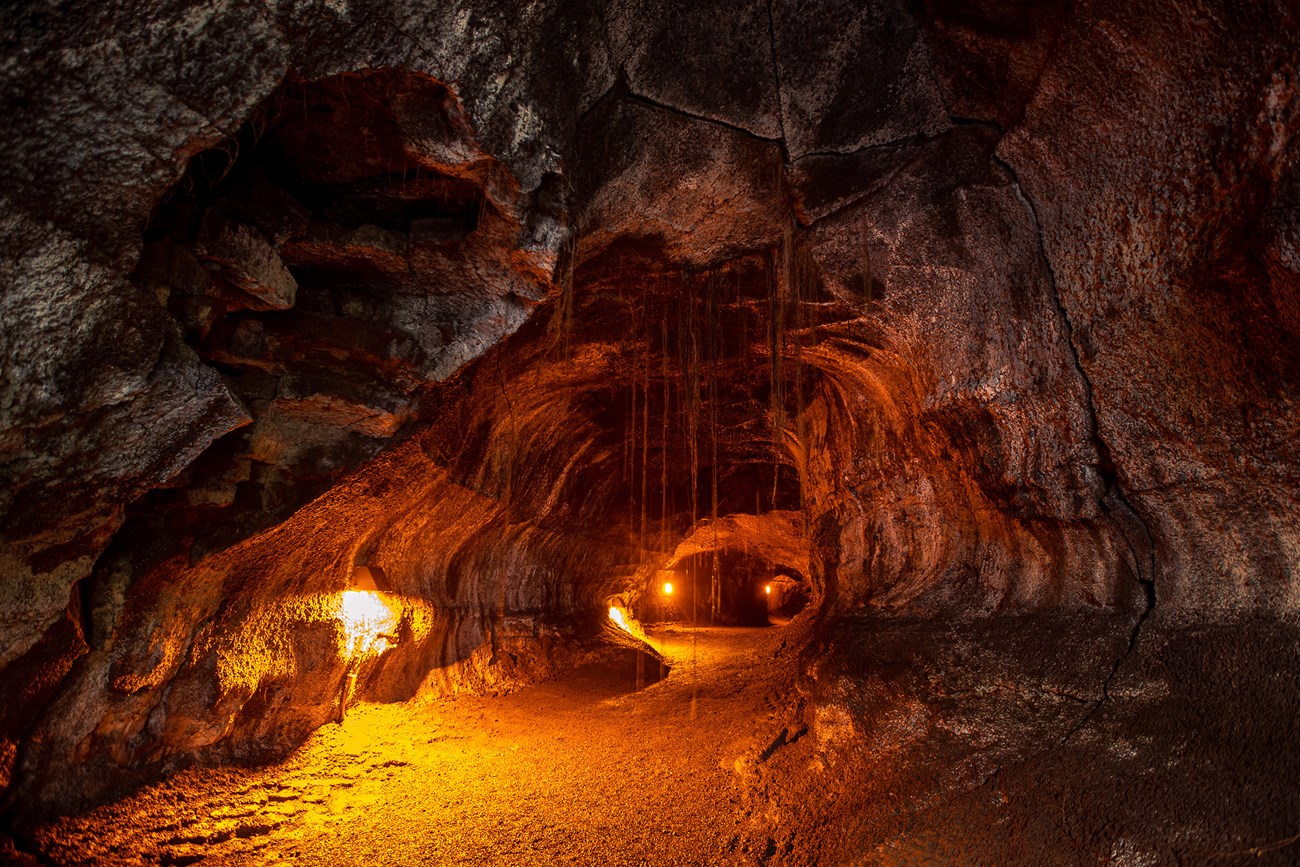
(581, 770)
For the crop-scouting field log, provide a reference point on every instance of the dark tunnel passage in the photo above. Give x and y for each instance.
(745, 594)
(774, 433)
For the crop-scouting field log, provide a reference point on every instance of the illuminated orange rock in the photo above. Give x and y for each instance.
(538, 309)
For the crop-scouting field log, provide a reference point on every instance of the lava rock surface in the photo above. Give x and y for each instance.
(1001, 299)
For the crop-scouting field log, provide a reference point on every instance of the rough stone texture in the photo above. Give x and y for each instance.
(1179, 151)
(331, 368)
(1010, 741)
(852, 75)
(958, 354)
(704, 192)
(1002, 298)
(80, 440)
(989, 56)
(710, 59)
(105, 105)
(247, 260)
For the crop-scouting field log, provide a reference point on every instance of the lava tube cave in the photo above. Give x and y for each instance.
(775, 432)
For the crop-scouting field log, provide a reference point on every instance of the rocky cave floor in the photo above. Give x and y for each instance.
(1008, 741)
(582, 770)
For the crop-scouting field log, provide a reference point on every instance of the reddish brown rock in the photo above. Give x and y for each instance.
(852, 75)
(710, 60)
(958, 353)
(1192, 366)
(511, 302)
(246, 259)
(703, 192)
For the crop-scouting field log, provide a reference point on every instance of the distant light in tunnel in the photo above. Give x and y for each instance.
(668, 588)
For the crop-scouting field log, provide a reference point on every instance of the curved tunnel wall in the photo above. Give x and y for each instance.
(1034, 356)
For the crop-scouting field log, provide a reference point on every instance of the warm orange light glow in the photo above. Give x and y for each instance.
(366, 618)
(668, 588)
(767, 588)
(616, 615)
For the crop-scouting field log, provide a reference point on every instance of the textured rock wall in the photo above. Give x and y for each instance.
(1176, 182)
(953, 397)
(1004, 296)
(126, 97)
(102, 400)
(240, 654)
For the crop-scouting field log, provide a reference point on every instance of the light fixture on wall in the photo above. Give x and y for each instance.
(368, 579)
(617, 617)
(369, 625)
(665, 600)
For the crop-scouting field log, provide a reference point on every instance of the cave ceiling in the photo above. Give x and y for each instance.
(929, 309)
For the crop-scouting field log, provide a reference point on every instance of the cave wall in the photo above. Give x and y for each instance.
(1177, 183)
(1036, 262)
(102, 400)
(954, 395)
(127, 97)
(240, 653)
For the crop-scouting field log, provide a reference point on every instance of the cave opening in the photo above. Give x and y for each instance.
(788, 433)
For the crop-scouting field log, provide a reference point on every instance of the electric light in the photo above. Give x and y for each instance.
(767, 588)
(616, 615)
(368, 626)
(668, 588)
(365, 617)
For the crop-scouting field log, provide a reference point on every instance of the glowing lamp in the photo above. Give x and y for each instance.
(364, 612)
(767, 588)
(366, 617)
(368, 625)
(617, 616)
(668, 588)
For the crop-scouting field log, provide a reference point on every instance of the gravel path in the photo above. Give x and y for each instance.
(582, 770)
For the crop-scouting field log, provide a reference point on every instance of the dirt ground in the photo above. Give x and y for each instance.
(582, 770)
(1006, 741)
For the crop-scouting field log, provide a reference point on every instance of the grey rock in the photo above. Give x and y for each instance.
(246, 259)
